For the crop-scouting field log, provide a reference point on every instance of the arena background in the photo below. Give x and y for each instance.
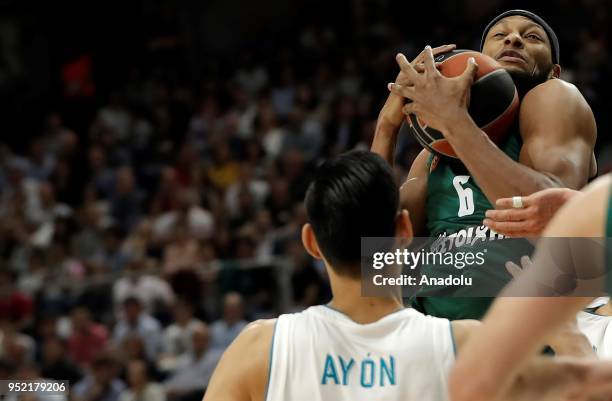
(157, 152)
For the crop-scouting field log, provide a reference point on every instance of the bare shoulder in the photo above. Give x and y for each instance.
(255, 340)
(556, 108)
(554, 89)
(584, 215)
(242, 372)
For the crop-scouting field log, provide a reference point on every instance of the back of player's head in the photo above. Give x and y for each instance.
(353, 195)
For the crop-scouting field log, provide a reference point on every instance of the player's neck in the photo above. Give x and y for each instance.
(348, 300)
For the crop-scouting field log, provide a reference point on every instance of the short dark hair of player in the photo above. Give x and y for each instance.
(352, 195)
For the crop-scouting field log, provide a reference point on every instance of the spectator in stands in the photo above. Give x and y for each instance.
(87, 338)
(140, 388)
(15, 346)
(15, 305)
(226, 329)
(101, 383)
(190, 379)
(126, 201)
(154, 292)
(55, 363)
(178, 335)
(135, 320)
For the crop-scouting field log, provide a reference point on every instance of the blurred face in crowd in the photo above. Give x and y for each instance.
(46, 194)
(132, 308)
(104, 371)
(125, 180)
(232, 307)
(137, 373)
(133, 347)
(183, 312)
(522, 47)
(53, 350)
(80, 319)
(200, 339)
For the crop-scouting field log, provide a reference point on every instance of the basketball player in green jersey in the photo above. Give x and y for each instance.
(551, 146)
(520, 324)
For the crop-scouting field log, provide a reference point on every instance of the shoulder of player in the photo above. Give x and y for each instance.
(555, 93)
(256, 336)
(251, 349)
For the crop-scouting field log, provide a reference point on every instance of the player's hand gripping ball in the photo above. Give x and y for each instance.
(493, 100)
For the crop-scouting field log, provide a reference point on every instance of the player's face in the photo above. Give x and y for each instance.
(520, 45)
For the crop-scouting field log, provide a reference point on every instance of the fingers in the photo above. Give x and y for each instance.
(406, 67)
(506, 203)
(430, 67)
(443, 49)
(514, 269)
(420, 68)
(526, 262)
(470, 70)
(436, 50)
(509, 214)
(401, 90)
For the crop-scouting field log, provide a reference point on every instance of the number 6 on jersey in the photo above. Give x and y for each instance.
(466, 196)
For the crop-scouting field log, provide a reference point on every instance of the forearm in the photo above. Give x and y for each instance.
(505, 361)
(388, 124)
(495, 172)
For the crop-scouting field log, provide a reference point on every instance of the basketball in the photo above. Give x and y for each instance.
(494, 101)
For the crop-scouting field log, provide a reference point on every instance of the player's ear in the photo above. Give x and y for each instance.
(403, 225)
(310, 242)
(556, 71)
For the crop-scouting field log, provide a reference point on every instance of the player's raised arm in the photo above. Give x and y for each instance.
(242, 372)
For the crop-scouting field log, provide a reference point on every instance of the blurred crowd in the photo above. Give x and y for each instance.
(136, 246)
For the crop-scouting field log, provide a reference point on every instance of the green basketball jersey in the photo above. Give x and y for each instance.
(456, 207)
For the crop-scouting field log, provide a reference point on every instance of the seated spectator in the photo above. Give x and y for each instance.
(55, 364)
(224, 171)
(140, 387)
(194, 370)
(102, 383)
(17, 347)
(14, 304)
(177, 336)
(182, 251)
(125, 203)
(199, 221)
(153, 291)
(133, 348)
(226, 329)
(87, 338)
(136, 321)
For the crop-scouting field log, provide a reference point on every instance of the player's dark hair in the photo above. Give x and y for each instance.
(353, 195)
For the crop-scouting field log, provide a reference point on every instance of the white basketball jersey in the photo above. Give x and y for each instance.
(598, 329)
(322, 355)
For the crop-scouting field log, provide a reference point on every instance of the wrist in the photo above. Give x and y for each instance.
(457, 123)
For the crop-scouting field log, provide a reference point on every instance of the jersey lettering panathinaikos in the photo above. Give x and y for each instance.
(456, 207)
